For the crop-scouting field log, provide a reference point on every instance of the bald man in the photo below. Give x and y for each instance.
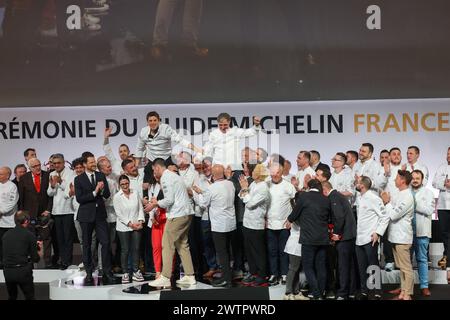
(219, 199)
(9, 196)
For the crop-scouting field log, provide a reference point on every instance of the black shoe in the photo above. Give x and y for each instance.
(330, 295)
(248, 279)
(89, 279)
(273, 280)
(63, 267)
(260, 282)
(221, 283)
(363, 296)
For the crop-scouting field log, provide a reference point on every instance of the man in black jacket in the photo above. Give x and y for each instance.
(312, 213)
(20, 251)
(91, 188)
(344, 235)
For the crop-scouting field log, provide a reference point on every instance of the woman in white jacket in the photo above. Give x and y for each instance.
(256, 199)
(130, 219)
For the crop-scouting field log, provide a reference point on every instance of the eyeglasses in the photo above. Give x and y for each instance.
(336, 159)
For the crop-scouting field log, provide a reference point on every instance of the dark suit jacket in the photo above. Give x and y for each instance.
(323, 167)
(32, 201)
(91, 208)
(344, 220)
(312, 213)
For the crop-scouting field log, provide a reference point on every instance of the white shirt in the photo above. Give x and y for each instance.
(219, 197)
(370, 212)
(190, 177)
(343, 181)
(113, 186)
(160, 145)
(424, 208)
(399, 214)
(301, 176)
(176, 199)
(256, 201)
(127, 210)
(203, 183)
(9, 196)
(225, 149)
(115, 163)
(280, 204)
(153, 191)
(288, 177)
(390, 180)
(372, 169)
(293, 247)
(75, 204)
(421, 167)
(441, 175)
(62, 204)
(136, 184)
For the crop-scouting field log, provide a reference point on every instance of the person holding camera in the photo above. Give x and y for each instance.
(20, 251)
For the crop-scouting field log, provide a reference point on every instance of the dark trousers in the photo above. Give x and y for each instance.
(196, 247)
(146, 247)
(237, 248)
(367, 255)
(278, 259)
(129, 241)
(387, 248)
(19, 277)
(293, 276)
(101, 230)
(346, 268)
(255, 248)
(208, 245)
(314, 263)
(222, 243)
(331, 268)
(64, 227)
(444, 226)
(2, 232)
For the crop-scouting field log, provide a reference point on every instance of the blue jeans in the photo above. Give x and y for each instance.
(420, 245)
(278, 259)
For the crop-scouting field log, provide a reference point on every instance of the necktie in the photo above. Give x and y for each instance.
(93, 180)
(37, 182)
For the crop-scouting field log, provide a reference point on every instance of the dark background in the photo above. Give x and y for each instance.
(253, 56)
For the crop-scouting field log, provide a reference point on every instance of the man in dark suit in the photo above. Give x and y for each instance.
(91, 188)
(312, 213)
(34, 199)
(344, 235)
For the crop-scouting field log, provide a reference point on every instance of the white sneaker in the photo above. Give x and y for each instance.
(99, 2)
(288, 297)
(90, 19)
(161, 282)
(389, 266)
(137, 276)
(81, 266)
(125, 278)
(300, 296)
(187, 280)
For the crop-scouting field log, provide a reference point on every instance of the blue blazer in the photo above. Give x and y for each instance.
(91, 208)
